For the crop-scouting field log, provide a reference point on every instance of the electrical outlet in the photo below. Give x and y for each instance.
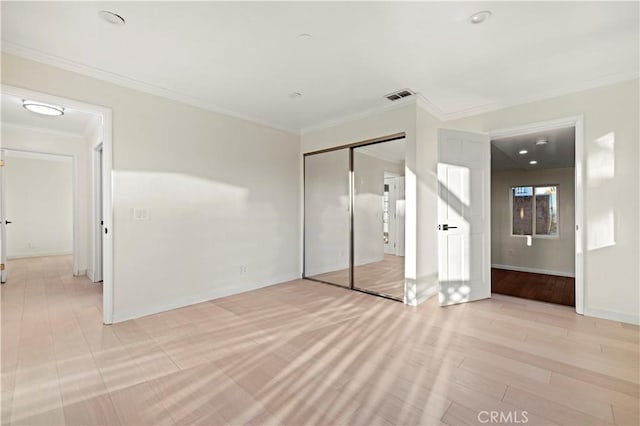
(244, 269)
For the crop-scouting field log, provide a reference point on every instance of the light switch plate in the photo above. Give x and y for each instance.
(140, 213)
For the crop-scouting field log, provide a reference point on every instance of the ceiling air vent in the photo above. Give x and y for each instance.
(394, 96)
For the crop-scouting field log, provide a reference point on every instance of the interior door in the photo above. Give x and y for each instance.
(464, 221)
(3, 224)
(400, 215)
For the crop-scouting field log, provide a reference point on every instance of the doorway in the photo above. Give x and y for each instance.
(18, 121)
(536, 212)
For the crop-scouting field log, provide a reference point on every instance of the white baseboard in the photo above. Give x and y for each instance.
(39, 254)
(427, 294)
(613, 316)
(534, 270)
(192, 300)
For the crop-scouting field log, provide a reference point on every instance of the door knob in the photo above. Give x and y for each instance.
(6, 222)
(446, 227)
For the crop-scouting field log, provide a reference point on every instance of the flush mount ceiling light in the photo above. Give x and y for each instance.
(523, 152)
(480, 17)
(112, 18)
(295, 95)
(42, 108)
(304, 36)
(533, 162)
(541, 141)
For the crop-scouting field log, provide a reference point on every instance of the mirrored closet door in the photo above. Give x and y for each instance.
(354, 210)
(327, 217)
(379, 218)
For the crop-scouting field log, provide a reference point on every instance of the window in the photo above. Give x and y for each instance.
(534, 210)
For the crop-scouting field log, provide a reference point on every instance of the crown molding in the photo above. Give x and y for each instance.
(424, 103)
(565, 90)
(411, 100)
(418, 99)
(33, 155)
(130, 83)
(43, 130)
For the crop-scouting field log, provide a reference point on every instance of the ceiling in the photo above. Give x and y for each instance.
(73, 122)
(245, 58)
(558, 152)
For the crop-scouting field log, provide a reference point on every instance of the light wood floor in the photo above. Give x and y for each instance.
(385, 277)
(305, 353)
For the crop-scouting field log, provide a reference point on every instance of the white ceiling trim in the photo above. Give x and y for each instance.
(43, 130)
(574, 88)
(33, 155)
(536, 127)
(56, 61)
(411, 100)
(418, 99)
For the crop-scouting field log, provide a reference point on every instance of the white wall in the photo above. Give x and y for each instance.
(35, 140)
(221, 193)
(39, 202)
(545, 255)
(367, 209)
(612, 202)
(427, 209)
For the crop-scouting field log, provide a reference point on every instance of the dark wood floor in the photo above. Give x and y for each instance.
(545, 288)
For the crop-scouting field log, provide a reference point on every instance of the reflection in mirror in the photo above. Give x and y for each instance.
(379, 213)
(327, 217)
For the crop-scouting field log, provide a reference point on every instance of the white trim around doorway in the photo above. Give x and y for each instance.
(576, 122)
(107, 149)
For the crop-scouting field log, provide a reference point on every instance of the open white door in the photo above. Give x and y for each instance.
(3, 225)
(400, 216)
(464, 221)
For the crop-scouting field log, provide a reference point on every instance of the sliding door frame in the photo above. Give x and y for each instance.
(350, 147)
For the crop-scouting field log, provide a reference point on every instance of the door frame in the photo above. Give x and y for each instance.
(577, 122)
(96, 205)
(392, 175)
(107, 155)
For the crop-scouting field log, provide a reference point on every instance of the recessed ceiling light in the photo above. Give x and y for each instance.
(42, 108)
(541, 141)
(533, 162)
(295, 95)
(305, 36)
(112, 18)
(523, 152)
(480, 17)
